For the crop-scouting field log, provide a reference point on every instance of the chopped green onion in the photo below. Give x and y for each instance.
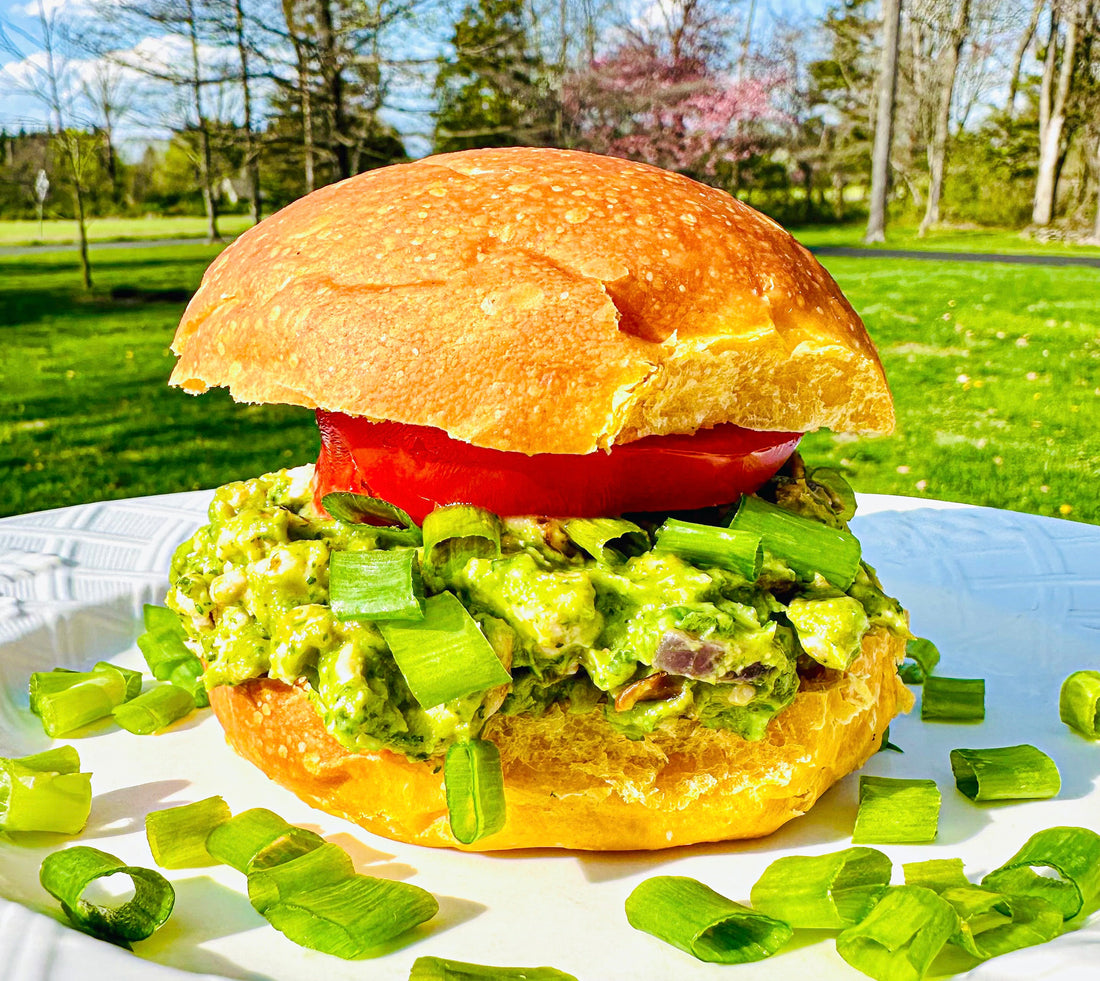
(886, 744)
(953, 700)
(60, 759)
(893, 810)
(838, 488)
(317, 900)
(699, 921)
(442, 969)
(991, 923)
(379, 584)
(177, 835)
(166, 652)
(456, 533)
(1074, 853)
(462, 521)
(595, 535)
(1079, 703)
(475, 789)
(257, 839)
(44, 792)
(66, 874)
(359, 509)
(936, 874)
(902, 935)
(822, 892)
(160, 706)
(68, 700)
(921, 658)
(445, 655)
(1005, 773)
(708, 546)
(807, 546)
(132, 678)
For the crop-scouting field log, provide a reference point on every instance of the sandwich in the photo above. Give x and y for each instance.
(559, 576)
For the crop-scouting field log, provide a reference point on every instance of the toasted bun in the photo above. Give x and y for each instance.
(542, 301)
(572, 782)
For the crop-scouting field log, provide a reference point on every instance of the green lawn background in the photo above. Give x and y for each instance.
(995, 370)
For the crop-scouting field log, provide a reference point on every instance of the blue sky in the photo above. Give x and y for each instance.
(19, 21)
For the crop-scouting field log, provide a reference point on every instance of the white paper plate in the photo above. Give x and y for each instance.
(1009, 597)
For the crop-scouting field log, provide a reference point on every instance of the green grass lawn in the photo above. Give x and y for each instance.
(60, 232)
(995, 370)
(941, 239)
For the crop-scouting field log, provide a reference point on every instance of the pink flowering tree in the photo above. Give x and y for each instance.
(669, 107)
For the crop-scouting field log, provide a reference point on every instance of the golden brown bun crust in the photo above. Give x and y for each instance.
(543, 301)
(571, 782)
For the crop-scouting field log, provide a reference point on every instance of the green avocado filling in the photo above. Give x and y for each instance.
(643, 638)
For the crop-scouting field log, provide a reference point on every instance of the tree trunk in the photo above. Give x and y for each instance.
(82, 234)
(839, 183)
(1052, 116)
(252, 154)
(304, 94)
(1021, 50)
(884, 121)
(333, 77)
(206, 163)
(937, 149)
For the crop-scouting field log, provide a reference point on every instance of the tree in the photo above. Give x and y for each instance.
(841, 94)
(667, 95)
(884, 121)
(493, 89)
(937, 147)
(182, 60)
(52, 81)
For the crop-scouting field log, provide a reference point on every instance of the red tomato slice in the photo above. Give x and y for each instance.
(419, 468)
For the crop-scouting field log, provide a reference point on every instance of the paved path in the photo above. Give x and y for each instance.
(1046, 259)
(150, 243)
(845, 251)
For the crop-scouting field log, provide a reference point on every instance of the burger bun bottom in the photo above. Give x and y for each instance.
(573, 782)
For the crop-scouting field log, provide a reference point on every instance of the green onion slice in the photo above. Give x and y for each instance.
(1079, 703)
(67, 874)
(177, 835)
(936, 874)
(902, 935)
(317, 900)
(893, 810)
(1005, 773)
(953, 699)
(1074, 853)
(68, 700)
(886, 744)
(456, 533)
(708, 546)
(807, 546)
(992, 923)
(132, 678)
(474, 783)
(442, 969)
(921, 658)
(258, 839)
(167, 654)
(45, 792)
(359, 509)
(699, 921)
(154, 710)
(822, 892)
(445, 655)
(380, 584)
(596, 535)
(838, 488)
